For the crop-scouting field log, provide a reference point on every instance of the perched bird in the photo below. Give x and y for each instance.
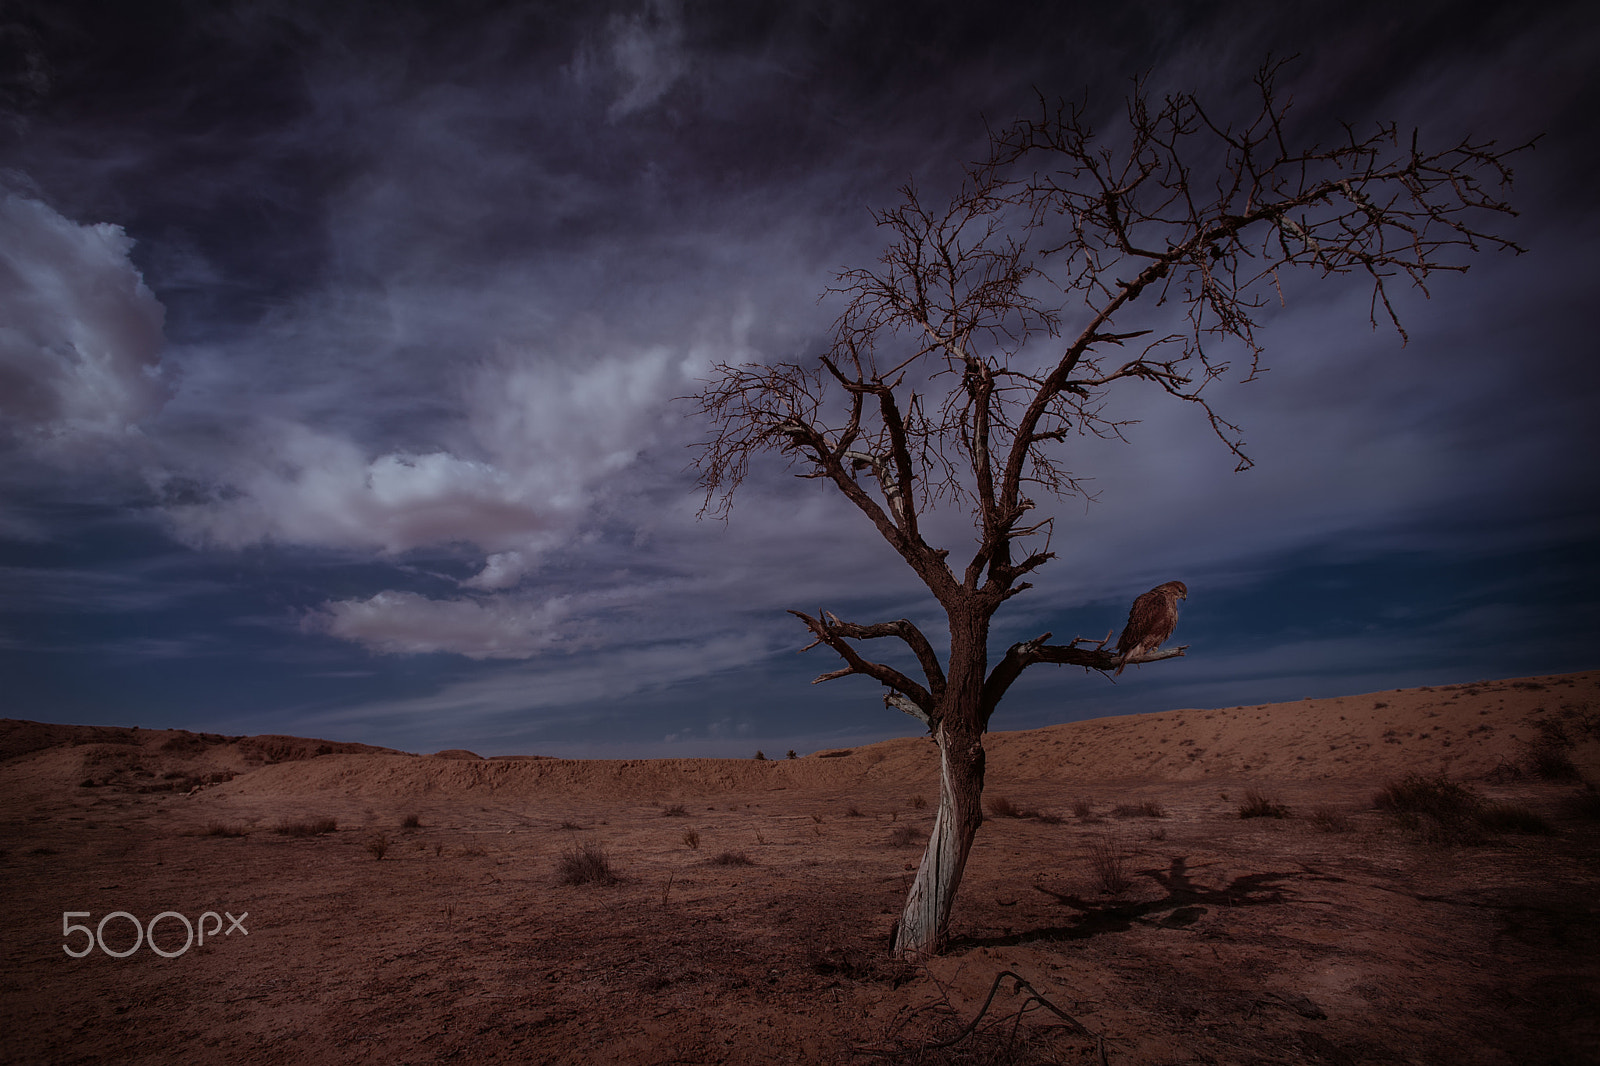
(1151, 621)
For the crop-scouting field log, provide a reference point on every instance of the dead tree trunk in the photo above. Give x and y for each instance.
(958, 727)
(925, 923)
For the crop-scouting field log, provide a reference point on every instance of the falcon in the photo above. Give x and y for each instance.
(1151, 621)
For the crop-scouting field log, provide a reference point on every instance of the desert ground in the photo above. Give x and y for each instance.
(406, 908)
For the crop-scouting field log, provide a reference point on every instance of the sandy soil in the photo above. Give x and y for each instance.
(1336, 934)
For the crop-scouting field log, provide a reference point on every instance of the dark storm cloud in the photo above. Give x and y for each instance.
(409, 292)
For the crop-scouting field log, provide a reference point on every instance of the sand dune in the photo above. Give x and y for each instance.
(1464, 730)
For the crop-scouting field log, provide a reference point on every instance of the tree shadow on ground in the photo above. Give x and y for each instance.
(1184, 904)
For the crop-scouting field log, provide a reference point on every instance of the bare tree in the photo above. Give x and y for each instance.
(992, 329)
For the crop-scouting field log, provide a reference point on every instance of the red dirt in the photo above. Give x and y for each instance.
(1345, 938)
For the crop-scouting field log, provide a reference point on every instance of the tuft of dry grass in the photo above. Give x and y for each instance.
(412, 821)
(586, 864)
(1082, 808)
(731, 858)
(675, 811)
(1259, 805)
(903, 837)
(1330, 820)
(315, 827)
(1142, 809)
(918, 802)
(1109, 864)
(378, 846)
(691, 839)
(1438, 808)
(1552, 763)
(1441, 811)
(220, 829)
(852, 812)
(1002, 807)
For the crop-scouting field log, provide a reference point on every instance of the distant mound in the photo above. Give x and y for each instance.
(1467, 730)
(42, 758)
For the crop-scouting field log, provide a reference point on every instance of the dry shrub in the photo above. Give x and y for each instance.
(731, 858)
(918, 802)
(854, 812)
(1109, 863)
(1257, 805)
(1001, 807)
(675, 811)
(316, 827)
(1547, 756)
(1330, 820)
(1552, 763)
(1082, 808)
(1419, 793)
(378, 846)
(219, 829)
(1437, 809)
(691, 839)
(903, 837)
(586, 864)
(412, 821)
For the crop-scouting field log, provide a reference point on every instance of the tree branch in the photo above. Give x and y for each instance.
(1026, 653)
(829, 630)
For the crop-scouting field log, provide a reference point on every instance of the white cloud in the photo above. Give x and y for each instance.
(501, 570)
(316, 489)
(80, 333)
(405, 623)
(548, 440)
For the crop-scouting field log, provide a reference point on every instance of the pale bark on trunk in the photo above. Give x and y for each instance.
(925, 922)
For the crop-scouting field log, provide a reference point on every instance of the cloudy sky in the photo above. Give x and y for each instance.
(341, 348)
